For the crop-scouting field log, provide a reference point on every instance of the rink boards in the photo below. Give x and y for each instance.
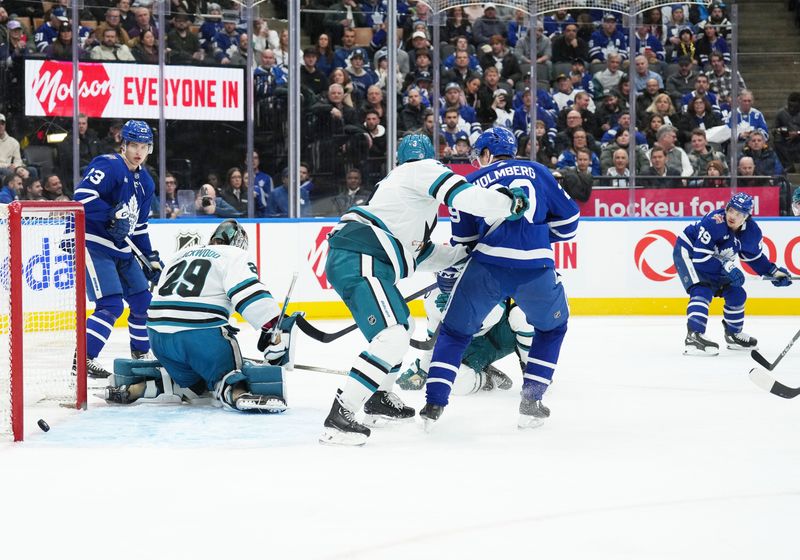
(613, 267)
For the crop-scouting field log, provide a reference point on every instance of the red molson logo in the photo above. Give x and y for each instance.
(52, 87)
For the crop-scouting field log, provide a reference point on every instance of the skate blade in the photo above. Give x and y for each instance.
(428, 424)
(738, 348)
(693, 351)
(271, 406)
(380, 421)
(529, 422)
(332, 436)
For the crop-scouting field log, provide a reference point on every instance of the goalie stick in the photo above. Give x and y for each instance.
(770, 366)
(326, 337)
(764, 380)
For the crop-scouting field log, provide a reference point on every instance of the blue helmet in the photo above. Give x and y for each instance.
(137, 131)
(742, 202)
(498, 140)
(414, 147)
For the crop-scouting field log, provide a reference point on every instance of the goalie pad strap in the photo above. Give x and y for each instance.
(264, 380)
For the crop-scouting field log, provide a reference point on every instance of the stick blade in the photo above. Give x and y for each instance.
(762, 361)
(765, 381)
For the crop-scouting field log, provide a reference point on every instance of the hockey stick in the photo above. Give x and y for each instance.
(770, 366)
(325, 337)
(768, 383)
(773, 278)
(143, 262)
(267, 338)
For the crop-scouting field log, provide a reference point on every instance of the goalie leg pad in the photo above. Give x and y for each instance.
(265, 380)
(128, 372)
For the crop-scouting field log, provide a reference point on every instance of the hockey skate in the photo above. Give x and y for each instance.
(532, 413)
(414, 377)
(116, 395)
(696, 344)
(740, 341)
(248, 402)
(430, 413)
(95, 370)
(384, 407)
(139, 355)
(496, 378)
(342, 428)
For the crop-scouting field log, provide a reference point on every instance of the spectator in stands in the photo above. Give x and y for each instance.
(88, 147)
(10, 157)
(518, 27)
(453, 98)
(545, 149)
(278, 201)
(457, 25)
(677, 23)
(715, 169)
(113, 139)
(487, 26)
(336, 127)
(557, 22)
(544, 50)
(567, 46)
(144, 22)
(13, 54)
(212, 24)
(32, 189)
(452, 125)
(681, 82)
(472, 89)
(648, 44)
(375, 103)
(503, 110)
(686, 47)
(662, 106)
(565, 92)
(643, 74)
(582, 104)
(53, 188)
(111, 48)
(145, 48)
(568, 157)
(233, 191)
(353, 194)
(709, 43)
(701, 89)
(787, 132)
(375, 167)
(208, 203)
(361, 77)
(577, 180)
(112, 21)
(620, 142)
(659, 174)
(720, 79)
(282, 52)
(503, 59)
(226, 41)
(343, 52)
(183, 45)
(126, 18)
(472, 63)
(263, 37)
(716, 20)
(47, 32)
(310, 76)
(461, 70)
(623, 123)
(652, 126)
(619, 171)
(521, 124)
(326, 59)
(765, 159)
(342, 78)
(606, 40)
(702, 154)
(666, 139)
(418, 43)
(341, 17)
(607, 79)
(491, 82)
(607, 114)
(747, 172)
(698, 115)
(748, 118)
(263, 182)
(171, 207)
(12, 185)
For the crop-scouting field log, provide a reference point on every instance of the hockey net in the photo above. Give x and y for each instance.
(42, 309)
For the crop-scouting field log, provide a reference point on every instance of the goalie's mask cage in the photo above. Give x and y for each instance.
(42, 311)
(230, 232)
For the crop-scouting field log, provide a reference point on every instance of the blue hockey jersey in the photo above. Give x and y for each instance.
(711, 243)
(552, 216)
(107, 182)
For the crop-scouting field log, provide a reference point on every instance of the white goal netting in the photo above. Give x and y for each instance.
(39, 304)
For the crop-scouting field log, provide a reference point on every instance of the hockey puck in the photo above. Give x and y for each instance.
(43, 425)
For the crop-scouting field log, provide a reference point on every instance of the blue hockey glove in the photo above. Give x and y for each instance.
(119, 226)
(156, 267)
(519, 202)
(735, 276)
(781, 275)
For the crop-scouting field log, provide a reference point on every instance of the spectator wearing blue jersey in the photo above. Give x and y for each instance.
(341, 17)
(212, 24)
(568, 158)
(645, 42)
(47, 32)
(701, 89)
(116, 192)
(226, 41)
(508, 259)
(748, 118)
(710, 43)
(278, 205)
(518, 27)
(608, 39)
(705, 257)
(521, 123)
(556, 23)
(360, 76)
(12, 185)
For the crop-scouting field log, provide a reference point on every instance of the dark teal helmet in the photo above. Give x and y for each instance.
(229, 232)
(414, 147)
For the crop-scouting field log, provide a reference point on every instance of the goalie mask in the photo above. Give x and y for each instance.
(229, 232)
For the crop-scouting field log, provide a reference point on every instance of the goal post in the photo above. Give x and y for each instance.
(42, 309)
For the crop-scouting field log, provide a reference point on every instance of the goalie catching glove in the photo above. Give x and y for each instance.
(275, 343)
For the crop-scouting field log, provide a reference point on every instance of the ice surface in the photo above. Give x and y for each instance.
(647, 454)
